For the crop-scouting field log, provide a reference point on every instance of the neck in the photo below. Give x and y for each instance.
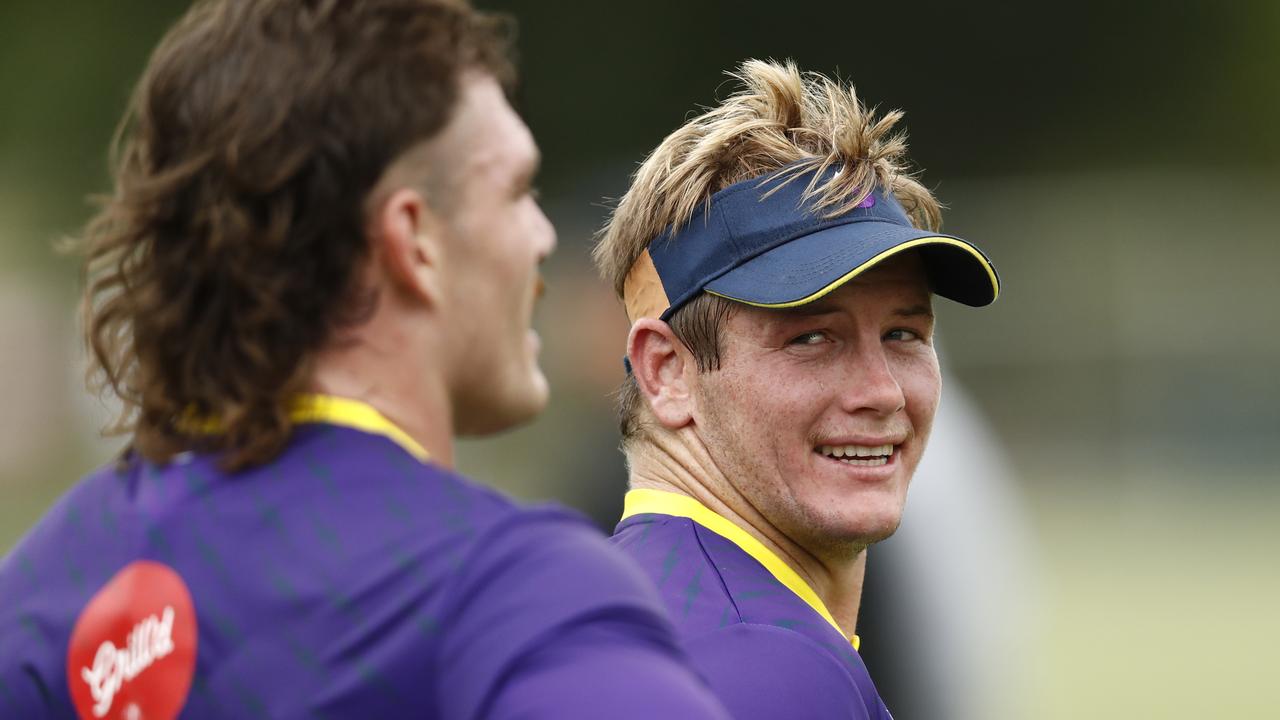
(379, 364)
(678, 462)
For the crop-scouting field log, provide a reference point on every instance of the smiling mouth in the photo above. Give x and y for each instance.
(860, 455)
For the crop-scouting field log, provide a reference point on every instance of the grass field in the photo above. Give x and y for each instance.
(1160, 606)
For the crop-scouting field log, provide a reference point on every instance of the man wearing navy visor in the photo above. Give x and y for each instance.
(777, 262)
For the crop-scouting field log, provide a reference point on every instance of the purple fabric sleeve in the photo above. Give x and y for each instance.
(21, 694)
(765, 672)
(606, 670)
(548, 620)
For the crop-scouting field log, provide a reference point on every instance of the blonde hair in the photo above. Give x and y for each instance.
(781, 118)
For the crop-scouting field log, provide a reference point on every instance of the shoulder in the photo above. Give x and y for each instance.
(30, 644)
(688, 565)
(48, 556)
(672, 552)
(528, 584)
(553, 553)
(676, 558)
(766, 671)
(368, 493)
(44, 579)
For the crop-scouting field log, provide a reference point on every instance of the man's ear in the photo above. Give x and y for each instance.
(661, 365)
(409, 237)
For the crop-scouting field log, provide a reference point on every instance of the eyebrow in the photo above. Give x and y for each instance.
(914, 311)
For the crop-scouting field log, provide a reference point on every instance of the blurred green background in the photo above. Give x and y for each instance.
(1120, 161)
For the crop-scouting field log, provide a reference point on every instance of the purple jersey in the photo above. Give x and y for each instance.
(755, 629)
(348, 578)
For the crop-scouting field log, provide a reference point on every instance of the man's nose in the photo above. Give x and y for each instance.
(548, 235)
(872, 385)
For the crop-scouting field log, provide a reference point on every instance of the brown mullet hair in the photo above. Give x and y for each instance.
(231, 245)
(779, 117)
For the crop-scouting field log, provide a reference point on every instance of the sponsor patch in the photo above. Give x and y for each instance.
(133, 650)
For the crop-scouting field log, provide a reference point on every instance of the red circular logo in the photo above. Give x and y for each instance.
(133, 649)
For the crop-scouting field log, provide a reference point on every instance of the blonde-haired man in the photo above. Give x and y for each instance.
(777, 263)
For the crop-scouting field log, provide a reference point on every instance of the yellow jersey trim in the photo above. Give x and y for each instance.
(333, 410)
(986, 265)
(660, 502)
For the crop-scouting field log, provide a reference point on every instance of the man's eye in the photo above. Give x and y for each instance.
(809, 338)
(902, 334)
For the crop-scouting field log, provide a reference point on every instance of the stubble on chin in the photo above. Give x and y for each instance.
(832, 533)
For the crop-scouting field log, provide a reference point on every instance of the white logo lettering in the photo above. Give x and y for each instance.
(150, 640)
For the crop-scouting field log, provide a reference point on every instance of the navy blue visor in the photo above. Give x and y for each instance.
(762, 242)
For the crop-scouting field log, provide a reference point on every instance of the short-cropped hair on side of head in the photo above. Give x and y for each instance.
(231, 246)
(778, 118)
(699, 326)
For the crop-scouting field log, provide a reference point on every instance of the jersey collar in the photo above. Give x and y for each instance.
(354, 414)
(660, 502)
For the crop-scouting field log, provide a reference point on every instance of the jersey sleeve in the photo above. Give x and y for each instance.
(22, 694)
(32, 641)
(549, 621)
(763, 671)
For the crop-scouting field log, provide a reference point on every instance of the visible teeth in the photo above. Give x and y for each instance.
(870, 462)
(877, 454)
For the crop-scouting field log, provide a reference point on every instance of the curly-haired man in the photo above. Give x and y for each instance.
(318, 266)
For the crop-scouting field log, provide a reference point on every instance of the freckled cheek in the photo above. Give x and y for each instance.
(748, 397)
(922, 387)
(756, 404)
(789, 395)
